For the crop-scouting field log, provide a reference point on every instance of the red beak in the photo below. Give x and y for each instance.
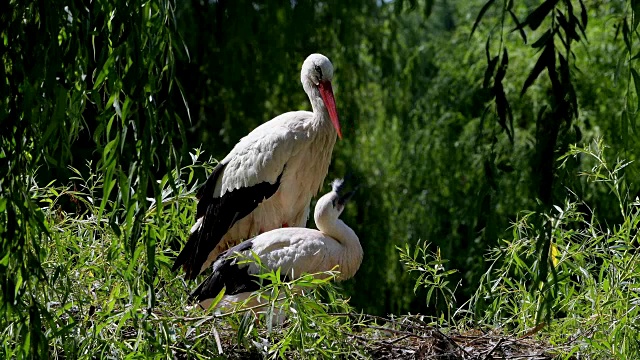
(330, 103)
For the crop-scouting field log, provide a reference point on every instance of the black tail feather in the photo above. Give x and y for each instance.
(184, 259)
(228, 274)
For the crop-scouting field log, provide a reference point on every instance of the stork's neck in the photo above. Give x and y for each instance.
(320, 112)
(351, 254)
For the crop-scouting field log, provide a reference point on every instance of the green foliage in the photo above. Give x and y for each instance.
(98, 298)
(452, 177)
(95, 292)
(594, 266)
(451, 136)
(297, 317)
(562, 24)
(432, 275)
(80, 82)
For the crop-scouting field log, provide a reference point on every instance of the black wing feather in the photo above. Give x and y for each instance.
(209, 186)
(220, 214)
(228, 274)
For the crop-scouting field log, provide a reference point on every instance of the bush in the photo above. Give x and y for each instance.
(591, 293)
(101, 305)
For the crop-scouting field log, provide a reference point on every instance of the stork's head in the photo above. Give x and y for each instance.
(317, 73)
(332, 204)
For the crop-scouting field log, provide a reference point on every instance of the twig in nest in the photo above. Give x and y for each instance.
(394, 346)
(401, 332)
(399, 339)
(530, 357)
(382, 343)
(534, 330)
(217, 337)
(493, 349)
(426, 328)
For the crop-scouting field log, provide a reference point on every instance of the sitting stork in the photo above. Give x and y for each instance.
(268, 179)
(294, 250)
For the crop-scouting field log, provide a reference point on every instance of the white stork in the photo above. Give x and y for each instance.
(268, 179)
(294, 250)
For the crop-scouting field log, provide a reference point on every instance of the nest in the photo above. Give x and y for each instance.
(410, 337)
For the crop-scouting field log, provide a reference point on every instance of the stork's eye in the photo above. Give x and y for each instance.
(318, 70)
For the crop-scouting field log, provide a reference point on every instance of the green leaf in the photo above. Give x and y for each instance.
(624, 127)
(541, 64)
(246, 325)
(104, 72)
(218, 298)
(538, 15)
(428, 8)
(116, 228)
(504, 64)
(636, 82)
(518, 27)
(18, 284)
(504, 112)
(584, 15)
(569, 27)
(488, 73)
(635, 7)
(626, 35)
(542, 40)
(483, 10)
(109, 155)
(5, 260)
(575, 20)
(26, 345)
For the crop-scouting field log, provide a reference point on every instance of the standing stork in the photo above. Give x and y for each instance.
(294, 250)
(268, 179)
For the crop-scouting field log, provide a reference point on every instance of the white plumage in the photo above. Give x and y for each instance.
(294, 250)
(268, 179)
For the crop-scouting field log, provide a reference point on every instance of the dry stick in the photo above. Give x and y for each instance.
(493, 349)
(411, 326)
(402, 332)
(217, 337)
(399, 339)
(211, 317)
(533, 357)
(398, 347)
(393, 321)
(484, 336)
(382, 342)
(533, 330)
